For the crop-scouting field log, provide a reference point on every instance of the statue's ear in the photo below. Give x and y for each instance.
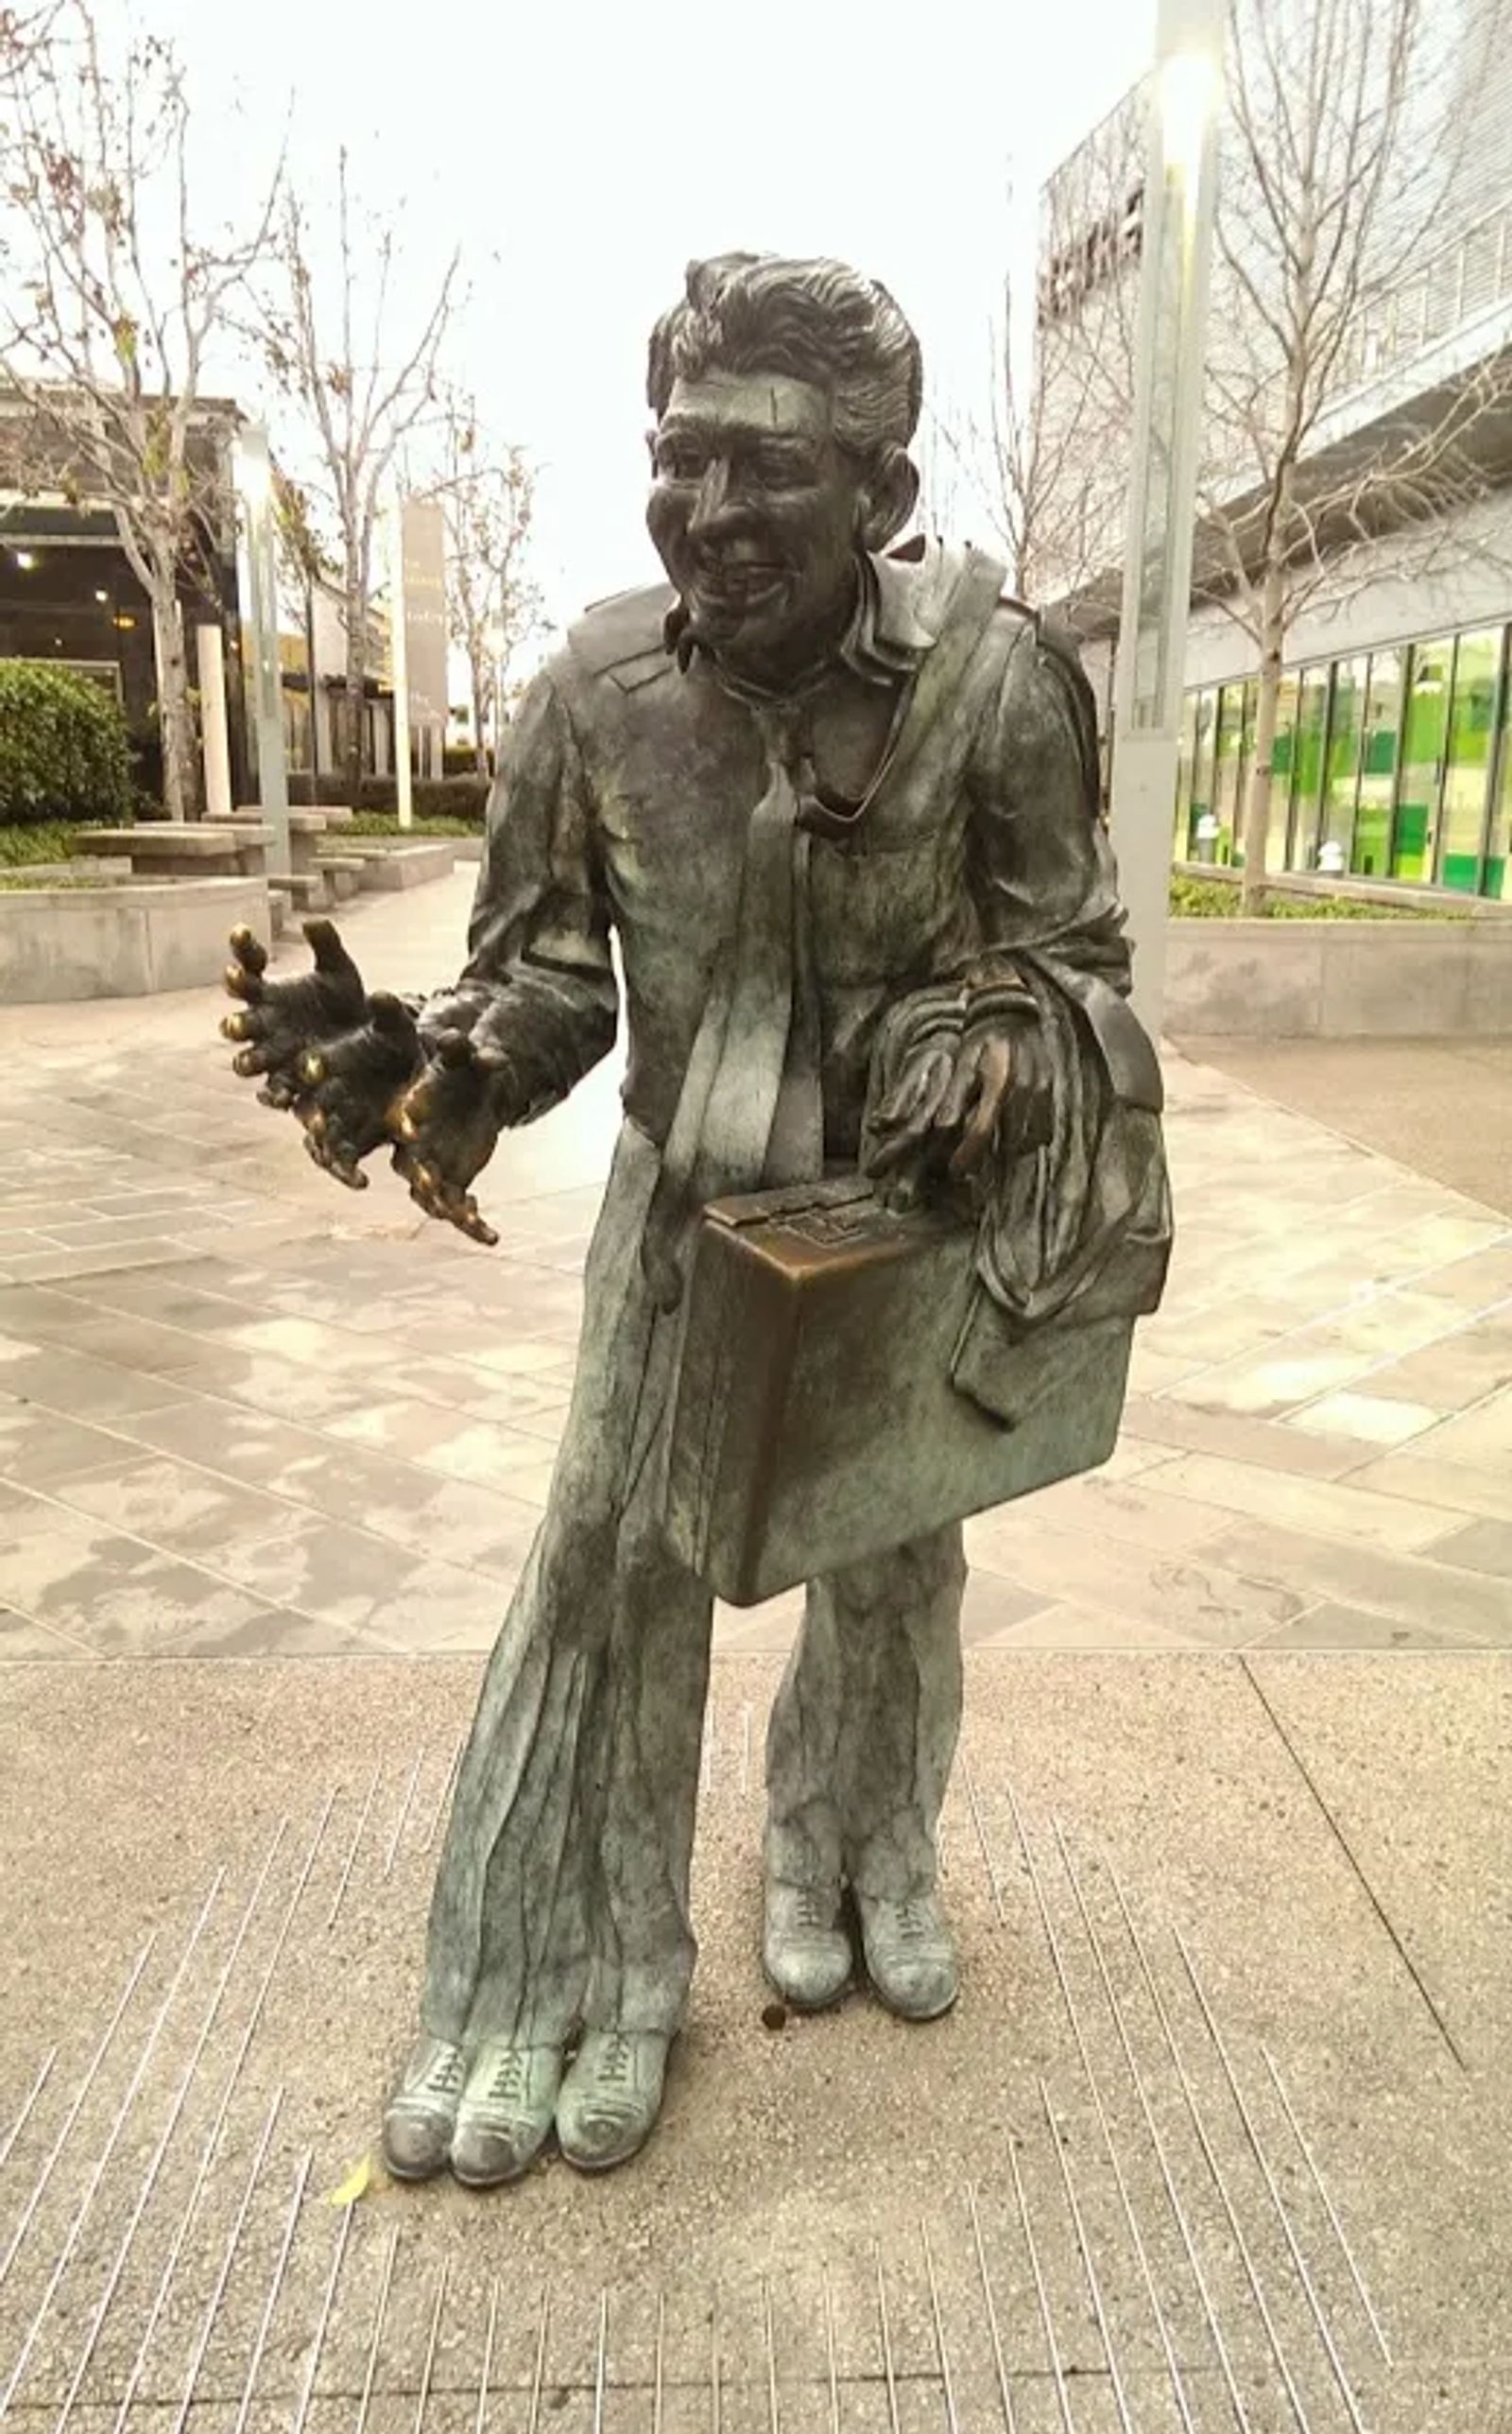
(888, 499)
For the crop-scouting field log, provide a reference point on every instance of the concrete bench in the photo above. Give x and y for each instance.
(404, 865)
(345, 873)
(308, 891)
(172, 849)
(307, 830)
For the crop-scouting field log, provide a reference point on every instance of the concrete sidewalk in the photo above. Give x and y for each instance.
(1219, 2126)
(242, 1412)
(1217, 2136)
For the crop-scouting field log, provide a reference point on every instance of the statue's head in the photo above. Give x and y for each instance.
(785, 395)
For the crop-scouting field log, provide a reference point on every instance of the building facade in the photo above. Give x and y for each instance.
(1393, 753)
(68, 597)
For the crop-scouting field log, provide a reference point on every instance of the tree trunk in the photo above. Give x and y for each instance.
(353, 757)
(175, 725)
(480, 712)
(1258, 792)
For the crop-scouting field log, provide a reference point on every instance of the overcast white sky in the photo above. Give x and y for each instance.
(582, 154)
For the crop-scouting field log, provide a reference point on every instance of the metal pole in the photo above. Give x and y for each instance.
(255, 483)
(399, 655)
(1185, 95)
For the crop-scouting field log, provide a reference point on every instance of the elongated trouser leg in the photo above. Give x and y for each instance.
(566, 1858)
(864, 1728)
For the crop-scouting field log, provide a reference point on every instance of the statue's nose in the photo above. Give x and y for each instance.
(713, 496)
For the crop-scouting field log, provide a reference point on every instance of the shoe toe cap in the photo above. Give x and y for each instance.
(809, 1973)
(486, 2155)
(597, 2138)
(919, 1988)
(416, 2145)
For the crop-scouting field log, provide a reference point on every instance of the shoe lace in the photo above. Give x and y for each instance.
(913, 1921)
(446, 2074)
(508, 2083)
(811, 1907)
(616, 2064)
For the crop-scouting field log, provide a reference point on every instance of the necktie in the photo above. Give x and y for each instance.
(750, 1110)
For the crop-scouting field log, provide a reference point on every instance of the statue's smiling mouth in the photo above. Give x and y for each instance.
(739, 582)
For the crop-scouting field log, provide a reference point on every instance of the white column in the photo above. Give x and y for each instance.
(255, 481)
(214, 741)
(1186, 93)
(399, 660)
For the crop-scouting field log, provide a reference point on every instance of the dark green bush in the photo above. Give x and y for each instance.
(433, 798)
(64, 752)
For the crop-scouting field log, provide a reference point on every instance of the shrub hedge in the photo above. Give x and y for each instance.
(63, 749)
(433, 798)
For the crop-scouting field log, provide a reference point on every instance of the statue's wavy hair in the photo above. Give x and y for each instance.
(817, 321)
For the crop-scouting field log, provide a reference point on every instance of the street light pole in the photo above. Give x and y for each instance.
(254, 479)
(1186, 91)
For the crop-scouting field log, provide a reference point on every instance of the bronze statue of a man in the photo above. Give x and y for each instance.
(839, 809)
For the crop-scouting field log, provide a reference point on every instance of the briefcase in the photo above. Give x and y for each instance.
(815, 1419)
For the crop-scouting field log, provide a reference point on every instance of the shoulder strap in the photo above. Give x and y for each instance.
(967, 615)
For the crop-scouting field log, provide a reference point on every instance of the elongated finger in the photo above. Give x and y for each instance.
(245, 1024)
(244, 983)
(345, 1170)
(455, 1049)
(279, 1091)
(918, 1084)
(991, 1075)
(247, 1062)
(961, 1095)
(332, 960)
(251, 954)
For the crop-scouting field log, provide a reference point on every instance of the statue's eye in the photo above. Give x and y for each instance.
(680, 460)
(779, 468)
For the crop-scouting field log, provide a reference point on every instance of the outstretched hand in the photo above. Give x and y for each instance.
(336, 1057)
(448, 1123)
(355, 1071)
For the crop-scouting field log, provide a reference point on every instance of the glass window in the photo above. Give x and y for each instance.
(1312, 726)
(1283, 762)
(1424, 731)
(1478, 275)
(1337, 834)
(1185, 763)
(1228, 770)
(1248, 704)
(1202, 762)
(1467, 763)
(1378, 765)
(1496, 878)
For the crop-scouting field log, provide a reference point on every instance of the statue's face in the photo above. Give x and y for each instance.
(757, 514)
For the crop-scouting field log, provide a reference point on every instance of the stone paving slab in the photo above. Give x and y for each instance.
(796, 2164)
(331, 1426)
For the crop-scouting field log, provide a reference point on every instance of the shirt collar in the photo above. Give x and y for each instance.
(892, 628)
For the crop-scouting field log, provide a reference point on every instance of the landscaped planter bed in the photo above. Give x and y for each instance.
(1338, 979)
(127, 937)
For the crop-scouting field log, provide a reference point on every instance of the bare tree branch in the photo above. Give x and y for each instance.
(362, 398)
(108, 304)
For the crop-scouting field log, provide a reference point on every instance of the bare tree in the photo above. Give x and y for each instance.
(1346, 124)
(362, 391)
(1045, 463)
(110, 300)
(488, 494)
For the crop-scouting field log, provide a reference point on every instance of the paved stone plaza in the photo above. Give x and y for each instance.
(1217, 2136)
(244, 1413)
